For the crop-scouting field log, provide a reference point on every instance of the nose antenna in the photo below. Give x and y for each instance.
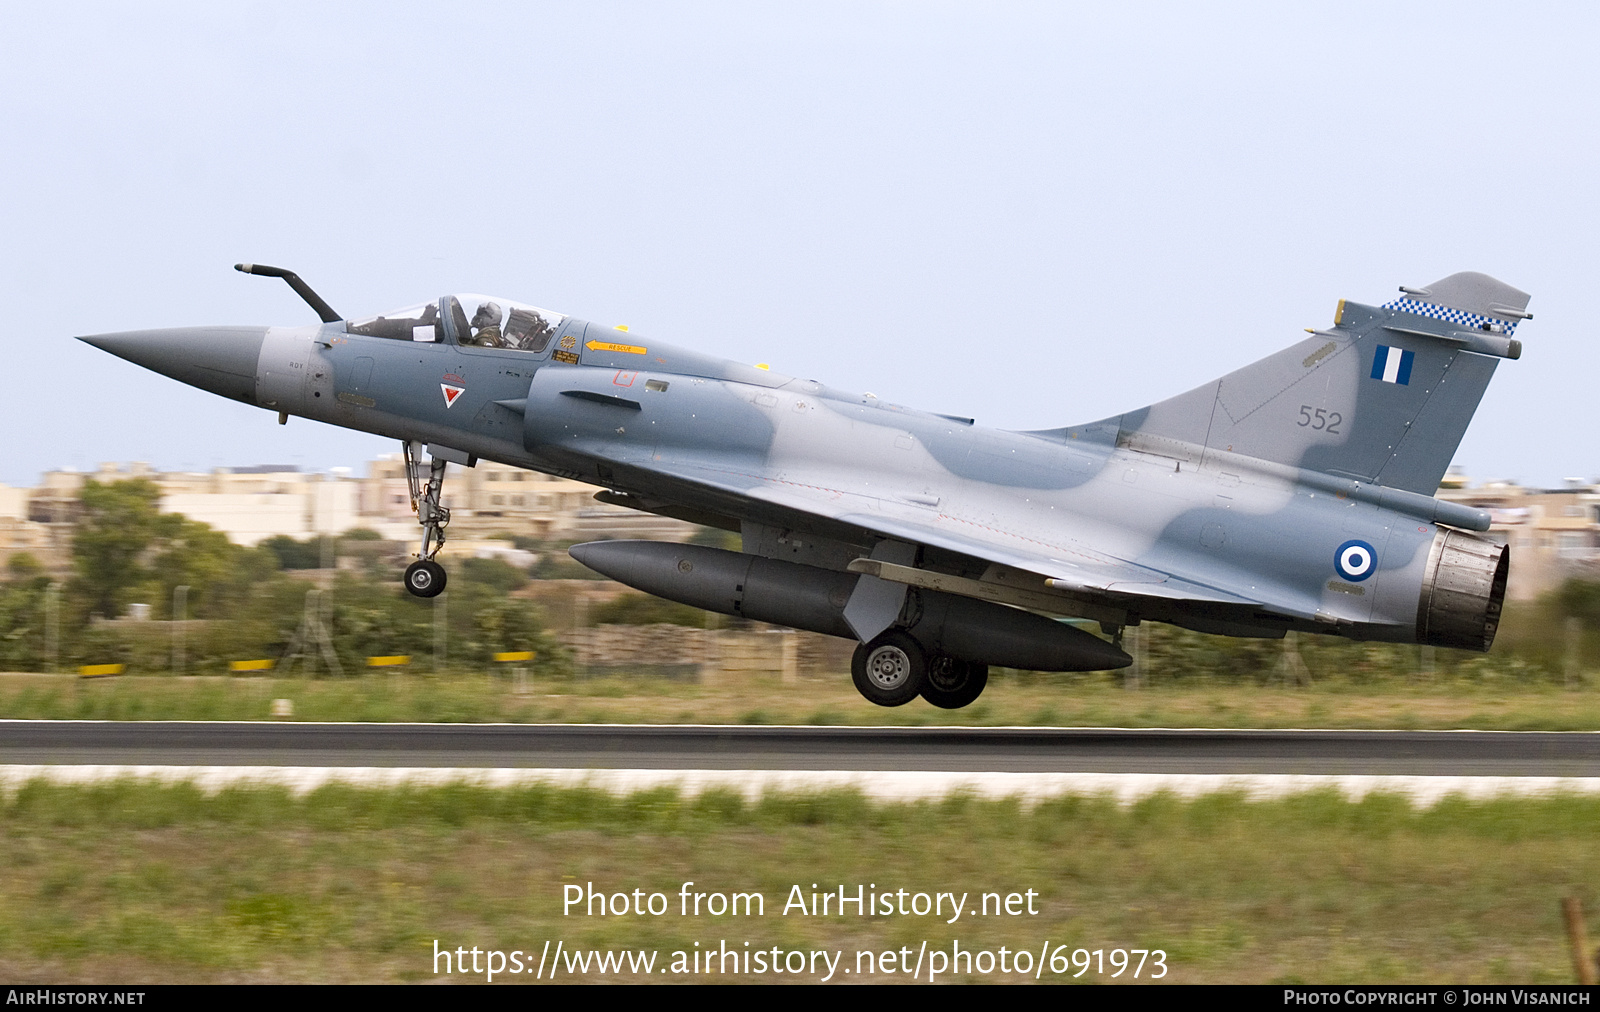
(300, 288)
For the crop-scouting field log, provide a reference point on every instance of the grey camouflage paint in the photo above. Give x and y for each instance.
(1221, 509)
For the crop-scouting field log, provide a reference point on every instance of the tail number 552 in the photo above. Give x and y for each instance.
(1320, 419)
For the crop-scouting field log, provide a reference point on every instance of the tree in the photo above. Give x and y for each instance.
(294, 554)
(125, 549)
(116, 524)
(23, 566)
(219, 574)
(22, 614)
(1579, 599)
(497, 574)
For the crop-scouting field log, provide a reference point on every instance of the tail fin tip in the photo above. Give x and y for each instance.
(1469, 298)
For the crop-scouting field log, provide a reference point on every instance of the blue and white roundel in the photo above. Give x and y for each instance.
(1355, 560)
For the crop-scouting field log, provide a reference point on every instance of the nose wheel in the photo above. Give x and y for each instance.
(425, 577)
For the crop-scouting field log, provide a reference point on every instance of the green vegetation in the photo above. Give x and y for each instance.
(245, 604)
(642, 609)
(363, 617)
(133, 881)
(292, 554)
(500, 576)
(125, 550)
(240, 603)
(1190, 680)
(1013, 699)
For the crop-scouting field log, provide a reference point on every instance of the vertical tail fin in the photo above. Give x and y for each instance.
(1384, 396)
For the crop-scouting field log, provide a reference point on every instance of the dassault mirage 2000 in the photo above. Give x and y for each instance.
(1292, 494)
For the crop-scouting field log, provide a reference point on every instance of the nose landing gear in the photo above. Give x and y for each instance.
(425, 577)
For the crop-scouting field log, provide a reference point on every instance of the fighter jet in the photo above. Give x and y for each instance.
(1295, 493)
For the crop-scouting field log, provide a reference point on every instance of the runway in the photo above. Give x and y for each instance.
(903, 750)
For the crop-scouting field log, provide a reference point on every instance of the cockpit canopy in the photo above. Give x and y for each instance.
(469, 319)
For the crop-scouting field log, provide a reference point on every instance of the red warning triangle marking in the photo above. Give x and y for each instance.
(451, 393)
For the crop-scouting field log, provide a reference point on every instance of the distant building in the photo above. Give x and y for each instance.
(248, 504)
(495, 498)
(1553, 534)
(251, 504)
(20, 534)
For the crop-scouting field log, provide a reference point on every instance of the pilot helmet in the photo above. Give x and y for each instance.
(487, 315)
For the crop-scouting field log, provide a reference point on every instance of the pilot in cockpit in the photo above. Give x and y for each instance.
(486, 326)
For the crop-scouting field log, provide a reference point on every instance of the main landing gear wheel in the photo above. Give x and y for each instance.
(953, 683)
(425, 579)
(891, 670)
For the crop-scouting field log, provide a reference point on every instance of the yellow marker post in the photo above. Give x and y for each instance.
(626, 349)
(394, 661)
(519, 676)
(259, 665)
(101, 670)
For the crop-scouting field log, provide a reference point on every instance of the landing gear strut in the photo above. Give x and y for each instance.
(425, 577)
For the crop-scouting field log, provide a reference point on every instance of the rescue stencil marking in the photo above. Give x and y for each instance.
(628, 349)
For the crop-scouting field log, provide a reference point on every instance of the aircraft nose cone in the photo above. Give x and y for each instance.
(221, 360)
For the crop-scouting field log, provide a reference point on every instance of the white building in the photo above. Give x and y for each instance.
(253, 504)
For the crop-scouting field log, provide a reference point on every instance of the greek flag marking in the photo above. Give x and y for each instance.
(1392, 365)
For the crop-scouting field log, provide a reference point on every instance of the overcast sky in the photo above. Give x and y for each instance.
(1033, 214)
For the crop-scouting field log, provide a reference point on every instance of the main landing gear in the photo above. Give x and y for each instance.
(953, 683)
(893, 669)
(425, 577)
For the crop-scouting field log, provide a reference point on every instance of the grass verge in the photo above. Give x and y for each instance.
(136, 882)
(1012, 699)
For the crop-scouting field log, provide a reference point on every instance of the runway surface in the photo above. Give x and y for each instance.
(908, 750)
